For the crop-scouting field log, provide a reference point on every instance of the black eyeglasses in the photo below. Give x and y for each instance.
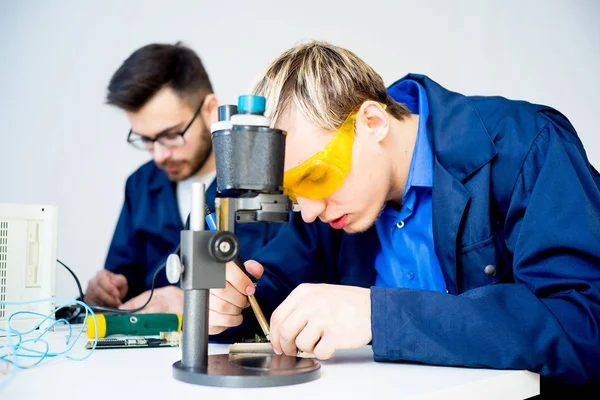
(169, 140)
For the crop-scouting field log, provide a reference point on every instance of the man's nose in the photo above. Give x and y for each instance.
(160, 153)
(311, 209)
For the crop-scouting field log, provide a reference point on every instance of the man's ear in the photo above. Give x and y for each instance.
(210, 109)
(372, 119)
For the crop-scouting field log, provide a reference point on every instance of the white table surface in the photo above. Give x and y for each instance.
(139, 374)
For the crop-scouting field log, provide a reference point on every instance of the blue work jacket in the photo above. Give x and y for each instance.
(516, 226)
(149, 229)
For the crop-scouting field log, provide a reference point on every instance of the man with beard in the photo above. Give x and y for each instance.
(169, 101)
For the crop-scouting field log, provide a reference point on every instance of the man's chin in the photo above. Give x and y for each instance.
(351, 230)
(359, 226)
(182, 171)
(178, 176)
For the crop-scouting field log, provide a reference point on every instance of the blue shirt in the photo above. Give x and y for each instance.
(407, 257)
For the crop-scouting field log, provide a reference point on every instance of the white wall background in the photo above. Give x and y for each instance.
(59, 144)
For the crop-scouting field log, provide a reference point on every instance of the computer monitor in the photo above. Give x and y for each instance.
(28, 241)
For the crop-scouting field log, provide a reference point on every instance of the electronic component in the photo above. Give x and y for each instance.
(173, 338)
(130, 343)
(260, 348)
(27, 261)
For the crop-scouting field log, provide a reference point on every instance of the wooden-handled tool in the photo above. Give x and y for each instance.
(260, 317)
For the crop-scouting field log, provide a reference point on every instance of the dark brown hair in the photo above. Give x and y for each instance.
(154, 66)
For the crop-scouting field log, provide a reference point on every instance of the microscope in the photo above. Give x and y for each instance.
(249, 158)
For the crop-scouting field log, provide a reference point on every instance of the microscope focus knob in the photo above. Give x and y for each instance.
(223, 246)
(174, 268)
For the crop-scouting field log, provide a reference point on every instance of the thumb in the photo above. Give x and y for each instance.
(254, 268)
(120, 281)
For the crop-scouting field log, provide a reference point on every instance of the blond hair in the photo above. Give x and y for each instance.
(325, 81)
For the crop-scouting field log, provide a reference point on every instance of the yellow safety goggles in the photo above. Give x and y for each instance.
(323, 173)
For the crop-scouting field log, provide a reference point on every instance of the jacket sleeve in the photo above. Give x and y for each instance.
(124, 250)
(548, 320)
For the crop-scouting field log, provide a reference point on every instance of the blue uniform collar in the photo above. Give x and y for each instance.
(158, 179)
(414, 97)
(460, 151)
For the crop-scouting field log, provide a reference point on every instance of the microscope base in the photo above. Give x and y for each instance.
(249, 370)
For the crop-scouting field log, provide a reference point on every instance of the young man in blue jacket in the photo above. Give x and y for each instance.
(169, 100)
(476, 223)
